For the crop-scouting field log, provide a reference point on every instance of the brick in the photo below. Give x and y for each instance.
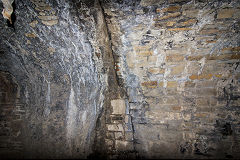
(150, 84)
(172, 84)
(179, 29)
(156, 70)
(174, 58)
(225, 13)
(119, 106)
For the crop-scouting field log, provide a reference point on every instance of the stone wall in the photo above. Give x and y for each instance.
(55, 52)
(120, 79)
(178, 60)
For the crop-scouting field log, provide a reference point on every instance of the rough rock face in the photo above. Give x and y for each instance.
(120, 79)
(55, 54)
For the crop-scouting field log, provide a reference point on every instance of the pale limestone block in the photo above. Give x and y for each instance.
(119, 106)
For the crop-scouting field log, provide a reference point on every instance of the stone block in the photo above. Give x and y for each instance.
(150, 84)
(119, 106)
(48, 18)
(50, 23)
(170, 100)
(178, 69)
(170, 9)
(118, 135)
(156, 70)
(190, 13)
(174, 58)
(195, 57)
(172, 84)
(201, 76)
(176, 108)
(179, 29)
(201, 115)
(206, 84)
(152, 59)
(108, 142)
(202, 102)
(33, 23)
(115, 127)
(206, 91)
(128, 136)
(151, 2)
(170, 23)
(145, 53)
(123, 145)
(225, 13)
(189, 22)
(31, 35)
(143, 50)
(168, 16)
(209, 31)
(189, 84)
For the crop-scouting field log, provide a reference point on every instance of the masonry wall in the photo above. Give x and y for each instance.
(120, 79)
(178, 61)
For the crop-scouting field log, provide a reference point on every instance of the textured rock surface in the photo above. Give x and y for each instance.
(120, 79)
(55, 54)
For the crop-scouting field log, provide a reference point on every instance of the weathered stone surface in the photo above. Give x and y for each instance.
(59, 79)
(143, 79)
(119, 106)
(181, 54)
